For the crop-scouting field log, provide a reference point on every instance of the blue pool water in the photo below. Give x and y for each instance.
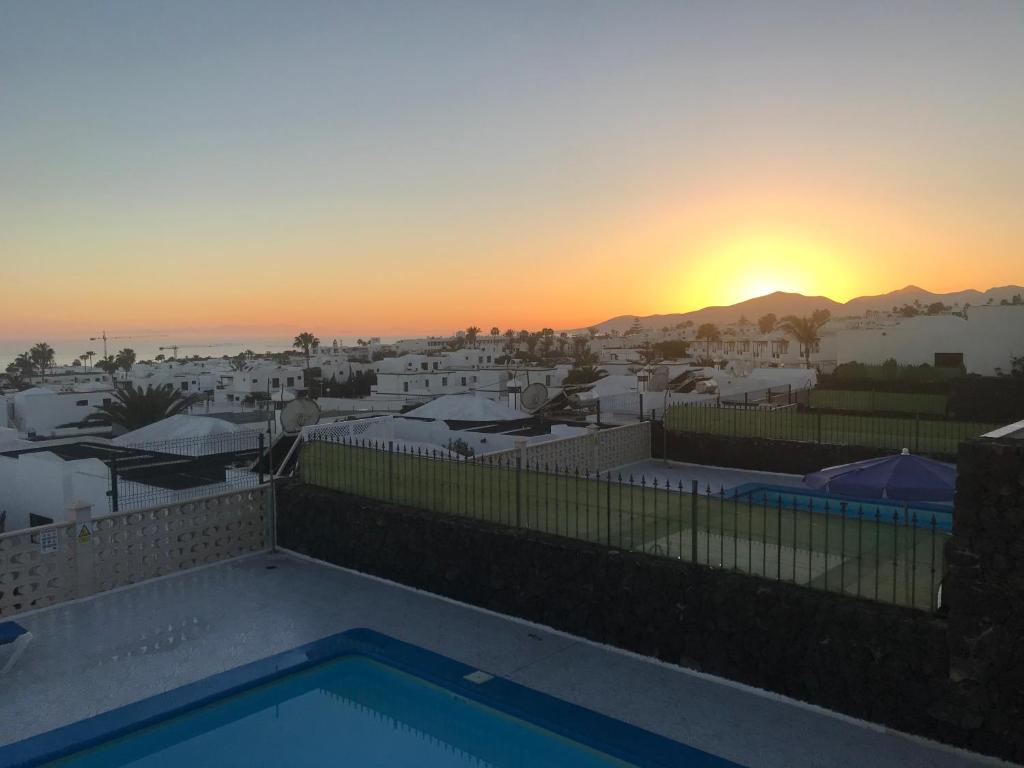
(913, 513)
(357, 699)
(353, 712)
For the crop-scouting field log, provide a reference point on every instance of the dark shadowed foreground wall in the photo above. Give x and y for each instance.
(879, 662)
(790, 456)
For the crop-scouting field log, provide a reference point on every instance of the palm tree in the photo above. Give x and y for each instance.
(125, 360)
(306, 341)
(26, 367)
(471, 333)
(709, 332)
(134, 407)
(495, 331)
(42, 355)
(510, 341)
(108, 365)
(805, 331)
(87, 357)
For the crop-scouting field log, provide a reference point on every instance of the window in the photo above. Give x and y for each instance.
(488, 358)
(291, 381)
(85, 402)
(423, 366)
(463, 381)
(444, 381)
(275, 383)
(184, 386)
(473, 379)
(106, 401)
(405, 386)
(547, 381)
(436, 366)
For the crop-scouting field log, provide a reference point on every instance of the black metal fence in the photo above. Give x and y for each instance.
(873, 551)
(919, 435)
(169, 471)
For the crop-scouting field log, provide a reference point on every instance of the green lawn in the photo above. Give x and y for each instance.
(919, 435)
(886, 402)
(866, 556)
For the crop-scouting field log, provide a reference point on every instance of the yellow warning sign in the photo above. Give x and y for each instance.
(84, 534)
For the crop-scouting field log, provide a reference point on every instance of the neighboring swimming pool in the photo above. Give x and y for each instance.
(920, 514)
(355, 699)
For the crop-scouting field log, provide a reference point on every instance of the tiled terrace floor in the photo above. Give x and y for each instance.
(98, 654)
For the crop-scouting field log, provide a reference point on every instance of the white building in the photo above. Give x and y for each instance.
(42, 411)
(420, 377)
(985, 341)
(260, 379)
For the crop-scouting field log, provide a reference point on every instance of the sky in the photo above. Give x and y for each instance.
(411, 167)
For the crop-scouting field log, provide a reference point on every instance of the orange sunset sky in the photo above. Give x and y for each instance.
(399, 168)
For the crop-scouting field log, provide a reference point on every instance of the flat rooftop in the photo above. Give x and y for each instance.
(103, 652)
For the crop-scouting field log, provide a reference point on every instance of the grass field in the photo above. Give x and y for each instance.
(859, 553)
(884, 402)
(919, 435)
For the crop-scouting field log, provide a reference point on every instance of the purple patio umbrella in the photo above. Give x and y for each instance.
(904, 477)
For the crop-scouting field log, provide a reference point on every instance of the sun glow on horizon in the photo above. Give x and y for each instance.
(747, 266)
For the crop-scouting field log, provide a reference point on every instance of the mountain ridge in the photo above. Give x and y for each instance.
(788, 303)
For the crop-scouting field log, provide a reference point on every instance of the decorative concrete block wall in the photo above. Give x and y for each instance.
(49, 564)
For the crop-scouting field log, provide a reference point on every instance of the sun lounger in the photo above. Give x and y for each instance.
(16, 638)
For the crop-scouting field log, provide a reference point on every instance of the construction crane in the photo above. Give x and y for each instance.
(175, 347)
(103, 336)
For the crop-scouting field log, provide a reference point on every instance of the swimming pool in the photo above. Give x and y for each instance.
(918, 513)
(355, 699)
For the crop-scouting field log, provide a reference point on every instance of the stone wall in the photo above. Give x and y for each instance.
(755, 453)
(985, 589)
(878, 662)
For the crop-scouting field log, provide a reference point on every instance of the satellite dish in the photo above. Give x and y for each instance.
(659, 379)
(533, 397)
(298, 414)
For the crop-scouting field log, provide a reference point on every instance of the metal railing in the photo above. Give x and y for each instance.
(873, 551)
(917, 434)
(923, 403)
(171, 471)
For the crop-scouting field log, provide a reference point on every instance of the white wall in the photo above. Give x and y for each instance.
(44, 484)
(988, 339)
(42, 410)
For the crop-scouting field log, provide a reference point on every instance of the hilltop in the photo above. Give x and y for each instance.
(782, 303)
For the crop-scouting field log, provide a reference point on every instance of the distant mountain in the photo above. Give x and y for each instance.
(911, 293)
(782, 303)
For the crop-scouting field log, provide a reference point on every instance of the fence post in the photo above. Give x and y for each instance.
(917, 432)
(693, 520)
(519, 488)
(391, 470)
(819, 427)
(114, 501)
(259, 462)
(607, 509)
(80, 513)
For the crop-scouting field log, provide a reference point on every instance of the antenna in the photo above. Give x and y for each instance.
(298, 414)
(533, 397)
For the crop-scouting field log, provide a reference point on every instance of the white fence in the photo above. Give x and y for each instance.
(49, 564)
(597, 451)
